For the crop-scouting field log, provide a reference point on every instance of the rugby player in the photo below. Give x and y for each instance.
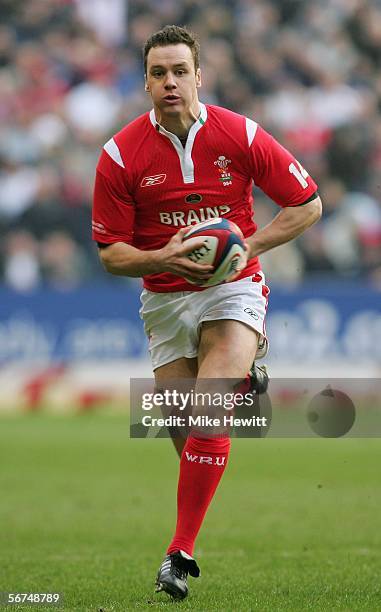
(181, 163)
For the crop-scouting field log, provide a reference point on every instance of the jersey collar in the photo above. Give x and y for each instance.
(184, 153)
(199, 123)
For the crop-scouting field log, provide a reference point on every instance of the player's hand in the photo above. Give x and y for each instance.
(173, 258)
(242, 264)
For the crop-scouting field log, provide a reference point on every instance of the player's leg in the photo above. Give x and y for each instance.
(174, 570)
(246, 301)
(256, 382)
(223, 342)
(172, 336)
(227, 349)
(179, 369)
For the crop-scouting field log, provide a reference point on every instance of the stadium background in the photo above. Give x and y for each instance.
(295, 524)
(71, 75)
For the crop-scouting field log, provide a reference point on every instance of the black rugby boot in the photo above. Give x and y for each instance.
(173, 573)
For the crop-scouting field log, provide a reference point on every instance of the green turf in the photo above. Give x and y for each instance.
(88, 512)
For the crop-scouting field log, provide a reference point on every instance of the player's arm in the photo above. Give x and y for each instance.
(125, 260)
(287, 183)
(289, 223)
(113, 230)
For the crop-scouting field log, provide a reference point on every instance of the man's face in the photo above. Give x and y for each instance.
(171, 79)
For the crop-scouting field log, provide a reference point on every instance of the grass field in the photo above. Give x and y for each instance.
(295, 525)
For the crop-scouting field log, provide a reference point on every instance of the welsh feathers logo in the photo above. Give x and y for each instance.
(225, 177)
(156, 179)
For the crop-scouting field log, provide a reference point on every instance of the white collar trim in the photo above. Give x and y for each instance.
(201, 119)
(184, 153)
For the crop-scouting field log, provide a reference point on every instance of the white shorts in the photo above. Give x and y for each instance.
(172, 321)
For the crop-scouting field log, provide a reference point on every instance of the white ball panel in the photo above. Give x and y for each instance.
(206, 253)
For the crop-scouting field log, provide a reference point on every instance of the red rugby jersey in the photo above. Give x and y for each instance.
(148, 185)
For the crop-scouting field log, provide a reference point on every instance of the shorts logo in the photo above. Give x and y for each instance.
(156, 179)
(251, 313)
(193, 198)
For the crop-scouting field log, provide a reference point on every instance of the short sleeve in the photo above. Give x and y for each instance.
(277, 173)
(113, 206)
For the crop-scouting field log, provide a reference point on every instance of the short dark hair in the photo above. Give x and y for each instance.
(173, 35)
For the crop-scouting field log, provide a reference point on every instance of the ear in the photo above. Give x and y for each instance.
(198, 77)
(146, 86)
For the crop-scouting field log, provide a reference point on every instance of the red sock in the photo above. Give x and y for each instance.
(244, 386)
(202, 464)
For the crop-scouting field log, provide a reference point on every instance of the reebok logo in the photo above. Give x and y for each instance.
(156, 179)
(208, 460)
(251, 313)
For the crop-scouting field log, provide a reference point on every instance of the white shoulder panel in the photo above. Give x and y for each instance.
(251, 128)
(112, 149)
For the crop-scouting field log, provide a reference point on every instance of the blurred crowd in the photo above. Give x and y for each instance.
(71, 75)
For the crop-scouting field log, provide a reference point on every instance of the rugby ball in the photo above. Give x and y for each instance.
(223, 248)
